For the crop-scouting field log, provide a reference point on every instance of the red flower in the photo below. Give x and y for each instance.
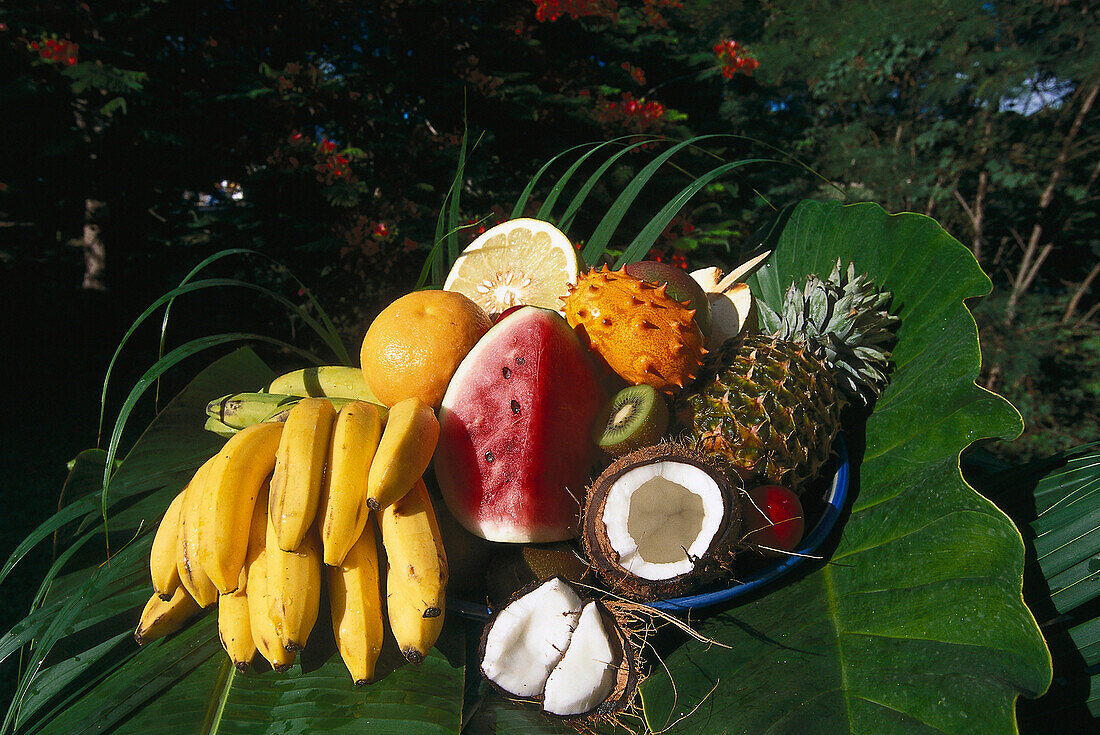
(380, 229)
(733, 60)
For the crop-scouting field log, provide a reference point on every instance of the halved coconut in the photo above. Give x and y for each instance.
(586, 674)
(590, 674)
(659, 521)
(528, 637)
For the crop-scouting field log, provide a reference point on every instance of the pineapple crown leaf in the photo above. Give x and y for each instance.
(845, 323)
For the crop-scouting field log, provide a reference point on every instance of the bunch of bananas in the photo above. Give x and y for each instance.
(285, 504)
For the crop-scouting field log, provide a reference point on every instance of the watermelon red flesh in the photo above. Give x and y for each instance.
(515, 450)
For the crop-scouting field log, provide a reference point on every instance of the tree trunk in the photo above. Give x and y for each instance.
(95, 252)
(1079, 293)
(1029, 267)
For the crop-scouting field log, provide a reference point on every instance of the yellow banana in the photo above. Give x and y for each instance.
(416, 576)
(342, 512)
(299, 470)
(265, 633)
(234, 620)
(407, 445)
(293, 588)
(281, 414)
(192, 572)
(162, 617)
(356, 605)
(237, 474)
(328, 381)
(235, 628)
(163, 554)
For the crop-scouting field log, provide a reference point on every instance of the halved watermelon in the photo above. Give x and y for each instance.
(515, 444)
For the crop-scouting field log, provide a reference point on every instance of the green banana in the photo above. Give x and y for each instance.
(239, 410)
(217, 427)
(280, 414)
(327, 381)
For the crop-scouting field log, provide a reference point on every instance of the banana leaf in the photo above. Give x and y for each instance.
(915, 622)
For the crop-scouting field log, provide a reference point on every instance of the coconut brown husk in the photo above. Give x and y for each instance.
(714, 563)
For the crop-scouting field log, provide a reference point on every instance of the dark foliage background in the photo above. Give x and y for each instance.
(139, 136)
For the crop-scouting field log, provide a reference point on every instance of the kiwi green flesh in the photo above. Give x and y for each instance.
(637, 416)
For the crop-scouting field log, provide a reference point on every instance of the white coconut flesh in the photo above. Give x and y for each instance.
(662, 517)
(529, 636)
(587, 673)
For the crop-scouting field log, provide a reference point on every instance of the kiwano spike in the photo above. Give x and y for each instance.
(627, 320)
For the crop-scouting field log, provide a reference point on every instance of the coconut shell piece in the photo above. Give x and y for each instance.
(652, 532)
(531, 643)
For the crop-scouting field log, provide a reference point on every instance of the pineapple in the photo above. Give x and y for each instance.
(771, 405)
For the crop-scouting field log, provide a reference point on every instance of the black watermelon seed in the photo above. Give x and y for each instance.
(515, 406)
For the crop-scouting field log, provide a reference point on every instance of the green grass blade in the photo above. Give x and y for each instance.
(525, 195)
(653, 229)
(42, 532)
(436, 252)
(438, 255)
(162, 366)
(454, 206)
(75, 604)
(566, 219)
(559, 186)
(167, 300)
(604, 231)
(447, 225)
(329, 333)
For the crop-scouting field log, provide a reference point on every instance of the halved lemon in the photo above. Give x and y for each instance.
(521, 261)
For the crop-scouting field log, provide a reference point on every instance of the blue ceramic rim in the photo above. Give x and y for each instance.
(835, 499)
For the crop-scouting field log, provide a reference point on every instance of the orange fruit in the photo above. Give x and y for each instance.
(414, 346)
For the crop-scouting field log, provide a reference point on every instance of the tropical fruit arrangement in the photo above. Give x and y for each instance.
(605, 437)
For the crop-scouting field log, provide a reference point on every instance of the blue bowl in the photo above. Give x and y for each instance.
(835, 497)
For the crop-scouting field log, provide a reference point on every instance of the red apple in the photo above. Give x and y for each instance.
(773, 518)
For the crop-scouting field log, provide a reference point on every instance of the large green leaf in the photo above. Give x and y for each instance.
(83, 673)
(916, 623)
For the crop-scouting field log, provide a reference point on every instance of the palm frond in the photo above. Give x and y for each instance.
(1067, 546)
(322, 328)
(162, 366)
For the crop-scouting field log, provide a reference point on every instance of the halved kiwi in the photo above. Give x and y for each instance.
(636, 417)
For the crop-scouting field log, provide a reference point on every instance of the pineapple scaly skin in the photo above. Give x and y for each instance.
(769, 407)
